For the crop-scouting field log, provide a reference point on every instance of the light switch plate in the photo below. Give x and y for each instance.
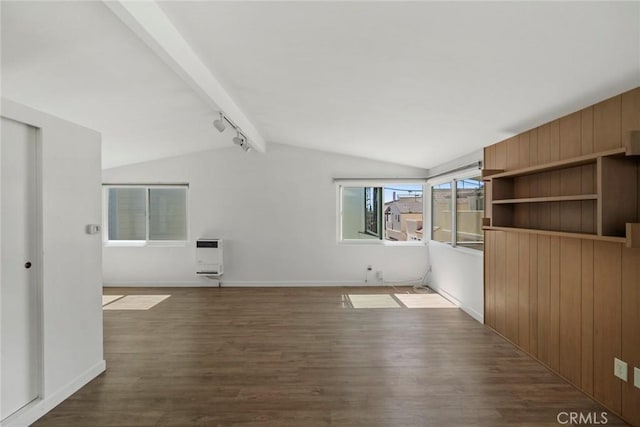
(636, 377)
(620, 369)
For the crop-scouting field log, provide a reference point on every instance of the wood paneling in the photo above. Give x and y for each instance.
(586, 378)
(543, 299)
(511, 259)
(630, 331)
(619, 183)
(586, 131)
(578, 300)
(630, 113)
(554, 140)
(523, 290)
(513, 153)
(533, 147)
(570, 135)
(524, 149)
(570, 309)
(607, 272)
(500, 299)
(500, 156)
(533, 295)
(554, 303)
(606, 124)
(489, 272)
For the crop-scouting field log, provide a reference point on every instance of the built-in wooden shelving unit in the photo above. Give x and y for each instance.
(598, 197)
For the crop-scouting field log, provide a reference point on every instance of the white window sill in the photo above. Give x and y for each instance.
(377, 242)
(458, 248)
(143, 243)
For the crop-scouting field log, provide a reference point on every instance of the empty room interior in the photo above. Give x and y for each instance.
(310, 213)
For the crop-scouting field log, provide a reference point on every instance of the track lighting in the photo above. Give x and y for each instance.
(219, 123)
(240, 138)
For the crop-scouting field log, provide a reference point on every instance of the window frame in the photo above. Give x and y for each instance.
(452, 178)
(147, 242)
(341, 183)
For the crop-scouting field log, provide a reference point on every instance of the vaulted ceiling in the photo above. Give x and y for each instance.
(416, 83)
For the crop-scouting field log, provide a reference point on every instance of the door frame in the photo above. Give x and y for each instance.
(38, 259)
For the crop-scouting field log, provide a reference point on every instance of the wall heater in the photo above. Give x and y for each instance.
(209, 258)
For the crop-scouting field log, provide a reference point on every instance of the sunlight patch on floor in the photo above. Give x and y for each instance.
(424, 301)
(136, 302)
(373, 301)
(106, 299)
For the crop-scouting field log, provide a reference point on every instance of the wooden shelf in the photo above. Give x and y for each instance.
(559, 234)
(560, 164)
(547, 199)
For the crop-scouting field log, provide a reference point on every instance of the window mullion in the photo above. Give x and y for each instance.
(148, 212)
(454, 210)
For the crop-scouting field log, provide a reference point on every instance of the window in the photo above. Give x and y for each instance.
(459, 223)
(146, 213)
(391, 213)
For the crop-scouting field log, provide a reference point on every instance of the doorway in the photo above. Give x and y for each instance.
(19, 286)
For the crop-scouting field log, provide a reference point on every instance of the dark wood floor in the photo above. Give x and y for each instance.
(296, 356)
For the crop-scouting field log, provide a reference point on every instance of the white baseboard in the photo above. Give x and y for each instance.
(187, 284)
(243, 284)
(471, 312)
(37, 409)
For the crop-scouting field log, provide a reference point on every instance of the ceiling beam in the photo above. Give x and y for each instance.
(147, 20)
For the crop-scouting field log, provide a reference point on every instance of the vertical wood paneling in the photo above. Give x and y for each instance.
(544, 144)
(554, 303)
(587, 211)
(524, 149)
(533, 295)
(554, 140)
(489, 286)
(570, 133)
(523, 291)
(630, 113)
(513, 153)
(587, 317)
(533, 181)
(500, 160)
(586, 143)
(572, 303)
(543, 211)
(512, 287)
(630, 331)
(500, 299)
(606, 124)
(570, 309)
(607, 272)
(533, 147)
(570, 179)
(543, 299)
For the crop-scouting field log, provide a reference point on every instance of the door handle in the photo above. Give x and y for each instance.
(27, 264)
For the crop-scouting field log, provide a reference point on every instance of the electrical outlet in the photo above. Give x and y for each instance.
(620, 369)
(380, 275)
(636, 377)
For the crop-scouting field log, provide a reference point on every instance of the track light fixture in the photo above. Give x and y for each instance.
(240, 139)
(219, 123)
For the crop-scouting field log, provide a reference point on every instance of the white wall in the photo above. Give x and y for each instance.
(458, 273)
(69, 157)
(277, 214)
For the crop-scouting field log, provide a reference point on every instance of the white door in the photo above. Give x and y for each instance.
(18, 348)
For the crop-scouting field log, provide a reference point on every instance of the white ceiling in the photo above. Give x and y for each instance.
(417, 83)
